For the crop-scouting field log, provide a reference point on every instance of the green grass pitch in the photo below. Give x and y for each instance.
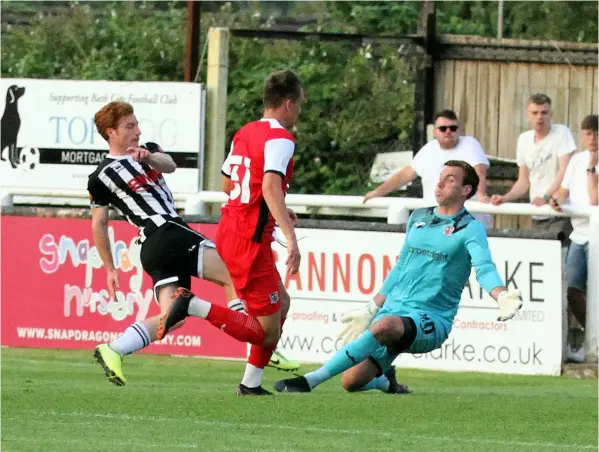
(57, 400)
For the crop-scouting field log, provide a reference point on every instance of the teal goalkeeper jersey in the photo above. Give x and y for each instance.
(435, 263)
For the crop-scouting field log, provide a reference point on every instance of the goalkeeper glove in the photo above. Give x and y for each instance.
(357, 321)
(509, 304)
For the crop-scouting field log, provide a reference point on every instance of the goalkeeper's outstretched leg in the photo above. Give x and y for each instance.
(369, 357)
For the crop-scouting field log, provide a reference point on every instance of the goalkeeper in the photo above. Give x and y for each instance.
(414, 310)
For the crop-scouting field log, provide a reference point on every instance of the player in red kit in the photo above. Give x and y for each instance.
(256, 173)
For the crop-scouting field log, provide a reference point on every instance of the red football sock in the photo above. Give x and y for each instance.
(238, 325)
(259, 356)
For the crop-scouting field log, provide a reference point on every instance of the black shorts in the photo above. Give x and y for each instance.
(172, 254)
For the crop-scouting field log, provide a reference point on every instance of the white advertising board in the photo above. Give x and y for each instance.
(49, 139)
(341, 270)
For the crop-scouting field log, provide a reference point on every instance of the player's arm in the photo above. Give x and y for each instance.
(277, 155)
(102, 242)
(154, 155)
(399, 179)
(100, 200)
(100, 216)
(272, 190)
(163, 163)
(486, 272)
(159, 160)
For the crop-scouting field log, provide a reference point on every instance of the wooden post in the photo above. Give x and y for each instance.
(216, 99)
(424, 89)
(500, 19)
(193, 40)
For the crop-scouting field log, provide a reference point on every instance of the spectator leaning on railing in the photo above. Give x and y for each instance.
(428, 162)
(542, 154)
(580, 187)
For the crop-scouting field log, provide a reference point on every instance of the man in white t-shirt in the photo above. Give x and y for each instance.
(542, 154)
(580, 186)
(428, 162)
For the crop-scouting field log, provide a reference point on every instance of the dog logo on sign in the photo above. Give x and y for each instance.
(11, 124)
(25, 158)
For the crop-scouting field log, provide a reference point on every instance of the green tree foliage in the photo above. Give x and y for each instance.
(122, 41)
(360, 96)
(559, 21)
(543, 20)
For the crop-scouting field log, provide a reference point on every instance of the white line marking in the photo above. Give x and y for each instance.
(328, 431)
(136, 443)
(105, 444)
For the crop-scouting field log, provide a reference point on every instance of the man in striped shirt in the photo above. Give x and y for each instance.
(130, 179)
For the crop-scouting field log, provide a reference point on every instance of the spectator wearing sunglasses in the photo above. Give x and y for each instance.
(428, 162)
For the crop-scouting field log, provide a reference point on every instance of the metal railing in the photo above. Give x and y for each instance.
(396, 210)
(53, 196)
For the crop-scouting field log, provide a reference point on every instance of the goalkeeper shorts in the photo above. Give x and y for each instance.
(431, 331)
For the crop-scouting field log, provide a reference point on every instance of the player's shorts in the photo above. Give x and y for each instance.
(431, 331)
(252, 269)
(172, 254)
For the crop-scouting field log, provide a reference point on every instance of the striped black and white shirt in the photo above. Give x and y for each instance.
(138, 192)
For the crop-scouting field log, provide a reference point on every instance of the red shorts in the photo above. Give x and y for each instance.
(253, 271)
